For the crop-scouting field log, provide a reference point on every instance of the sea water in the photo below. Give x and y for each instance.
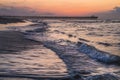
(103, 35)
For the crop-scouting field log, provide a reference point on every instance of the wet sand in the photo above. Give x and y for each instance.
(23, 58)
(5, 20)
(12, 41)
(79, 65)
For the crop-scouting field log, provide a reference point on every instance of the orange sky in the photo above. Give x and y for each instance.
(65, 7)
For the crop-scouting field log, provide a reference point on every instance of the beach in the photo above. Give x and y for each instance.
(5, 20)
(13, 41)
(46, 50)
(22, 58)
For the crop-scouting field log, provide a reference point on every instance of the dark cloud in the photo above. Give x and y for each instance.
(112, 14)
(117, 9)
(20, 11)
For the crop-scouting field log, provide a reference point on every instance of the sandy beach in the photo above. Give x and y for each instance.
(43, 51)
(6, 20)
(59, 39)
(12, 41)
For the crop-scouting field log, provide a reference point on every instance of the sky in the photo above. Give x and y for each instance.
(102, 8)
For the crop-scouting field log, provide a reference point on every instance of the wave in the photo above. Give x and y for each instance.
(66, 56)
(91, 51)
(104, 77)
(75, 76)
(94, 21)
(98, 54)
(29, 77)
(79, 74)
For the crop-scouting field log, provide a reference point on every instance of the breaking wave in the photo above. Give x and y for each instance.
(67, 52)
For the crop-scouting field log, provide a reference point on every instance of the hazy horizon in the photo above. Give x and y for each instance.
(109, 9)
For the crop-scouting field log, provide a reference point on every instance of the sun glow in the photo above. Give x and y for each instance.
(65, 7)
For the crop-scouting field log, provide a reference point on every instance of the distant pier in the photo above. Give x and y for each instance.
(53, 17)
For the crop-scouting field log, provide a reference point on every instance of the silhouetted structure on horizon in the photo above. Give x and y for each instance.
(54, 17)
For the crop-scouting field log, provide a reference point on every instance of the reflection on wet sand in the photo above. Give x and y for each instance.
(51, 50)
(21, 56)
(38, 62)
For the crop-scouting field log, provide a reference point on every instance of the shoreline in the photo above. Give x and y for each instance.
(13, 41)
(6, 20)
(83, 70)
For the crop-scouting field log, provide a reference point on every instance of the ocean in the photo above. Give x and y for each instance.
(87, 47)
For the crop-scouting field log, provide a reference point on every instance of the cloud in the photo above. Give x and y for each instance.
(111, 14)
(20, 11)
(116, 9)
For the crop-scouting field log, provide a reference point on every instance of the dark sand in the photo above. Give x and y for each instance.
(5, 20)
(12, 41)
